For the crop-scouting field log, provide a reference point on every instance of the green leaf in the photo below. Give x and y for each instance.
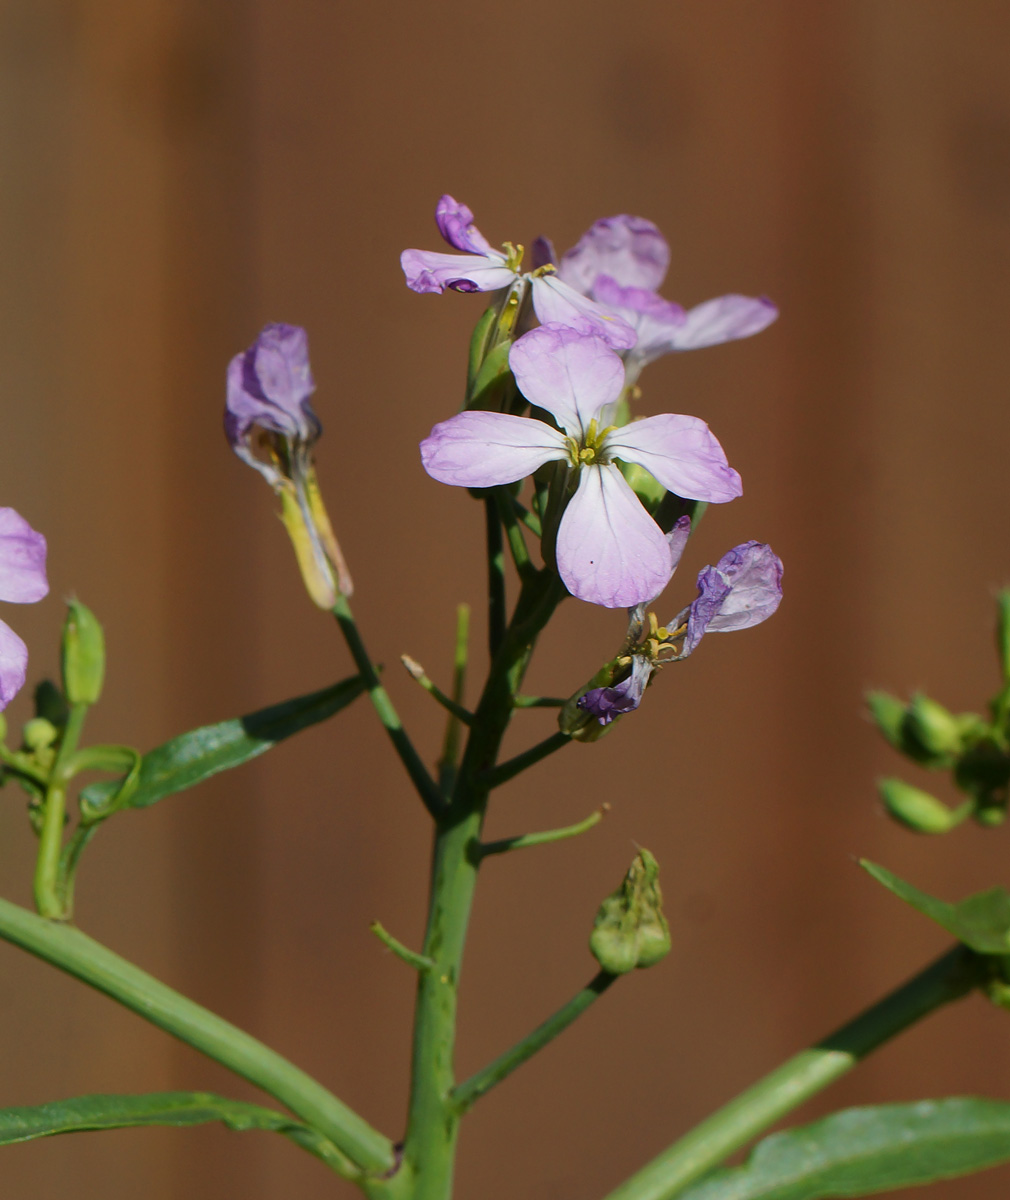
(862, 1151)
(192, 757)
(981, 922)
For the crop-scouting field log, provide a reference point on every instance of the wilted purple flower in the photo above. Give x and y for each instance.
(269, 386)
(22, 581)
(621, 261)
(743, 589)
(480, 268)
(609, 549)
(606, 703)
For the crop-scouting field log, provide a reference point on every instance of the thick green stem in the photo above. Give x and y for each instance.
(505, 1064)
(89, 961)
(496, 604)
(749, 1114)
(433, 1116)
(419, 774)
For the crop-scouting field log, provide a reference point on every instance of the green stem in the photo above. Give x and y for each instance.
(513, 766)
(496, 605)
(49, 894)
(749, 1114)
(503, 1066)
(486, 849)
(421, 778)
(516, 542)
(530, 520)
(433, 1117)
(402, 952)
(540, 701)
(94, 964)
(458, 714)
(419, 675)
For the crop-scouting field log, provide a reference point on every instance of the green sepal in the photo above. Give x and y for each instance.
(644, 484)
(933, 727)
(192, 757)
(981, 922)
(90, 1113)
(918, 810)
(83, 654)
(577, 723)
(862, 1151)
(630, 930)
(494, 375)
(479, 341)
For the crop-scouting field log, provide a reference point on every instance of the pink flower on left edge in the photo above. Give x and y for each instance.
(609, 549)
(481, 268)
(22, 581)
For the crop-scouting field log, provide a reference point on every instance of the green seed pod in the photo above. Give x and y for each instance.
(83, 655)
(630, 930)
(39, 734)
(914, 808)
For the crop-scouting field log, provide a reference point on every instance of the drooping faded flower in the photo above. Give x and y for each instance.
(268, 410)
(621, 261)
(481, 268)
(22, 581)
(609, 549)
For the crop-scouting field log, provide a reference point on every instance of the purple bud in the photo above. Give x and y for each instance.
(606, 703)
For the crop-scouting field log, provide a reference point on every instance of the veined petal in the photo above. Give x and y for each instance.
(681, 452)
(430, 272)
(455, 224)
(569, 373)
(609, 550)
(483, 449)
(713, 588)
(554, 301)
(269, 385)
(13, 664)
(22, 561)
(723, 319)
(629, 249)
(754, 572)
(655, 320)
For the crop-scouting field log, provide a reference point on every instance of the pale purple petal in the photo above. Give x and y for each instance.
(628, 249)
(656, 321)
(681, 452)
(609, 550)
(677, 539)
(608, 702)
(723, 320)
(22, 560)
(570, 373)
(427, 271)
(713, 588)
(483, 449)
(754, 572)
(269, 386)
(555, 302)
(13, 664)
(455, 224)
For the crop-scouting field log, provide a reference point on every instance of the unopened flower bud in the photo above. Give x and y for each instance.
(935, 728)
(914, 808)
(83, 655)
(888, 713)
(39, 734)
(630, 930)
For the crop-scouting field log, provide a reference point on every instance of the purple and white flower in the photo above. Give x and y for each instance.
(621, 261)
(609, 549)
(22, 581)
(481, 268)
(743, 589)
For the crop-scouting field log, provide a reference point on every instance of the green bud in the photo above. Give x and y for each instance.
(914, 808)
(83, 655)
(888, 713)
(39, 734)
(630, 930)
(935, 729)
(989, 816)
(1003, 632)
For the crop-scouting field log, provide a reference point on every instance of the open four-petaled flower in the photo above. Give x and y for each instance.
(609, 550)
(22, 581)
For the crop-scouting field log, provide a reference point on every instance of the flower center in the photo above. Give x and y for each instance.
(590, 452)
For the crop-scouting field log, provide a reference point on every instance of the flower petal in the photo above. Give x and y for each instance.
(713, 588)
(455, 224)
(609, 550)
(269, 385)
(22, 560)
(555, 302)
(605, 703)
(655, 320)
(483, 449)
(754, 572)
(723, 319)
(628, 249)
(13, 664)
(430, 272)
(569, 373)
(681, 452)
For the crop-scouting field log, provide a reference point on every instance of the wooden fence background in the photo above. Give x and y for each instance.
(173, 175)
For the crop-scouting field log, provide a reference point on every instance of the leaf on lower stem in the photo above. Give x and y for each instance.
(862, 1151)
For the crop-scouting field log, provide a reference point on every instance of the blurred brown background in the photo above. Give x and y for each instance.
(174, 174)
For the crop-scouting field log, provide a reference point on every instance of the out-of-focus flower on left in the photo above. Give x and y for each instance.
(270, 425)
(22, 581)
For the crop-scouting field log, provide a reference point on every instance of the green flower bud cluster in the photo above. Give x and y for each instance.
(630, 930)
(974, 749)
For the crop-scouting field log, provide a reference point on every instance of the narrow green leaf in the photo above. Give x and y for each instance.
(192, 757)
(981, 922)
(862, 1151)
